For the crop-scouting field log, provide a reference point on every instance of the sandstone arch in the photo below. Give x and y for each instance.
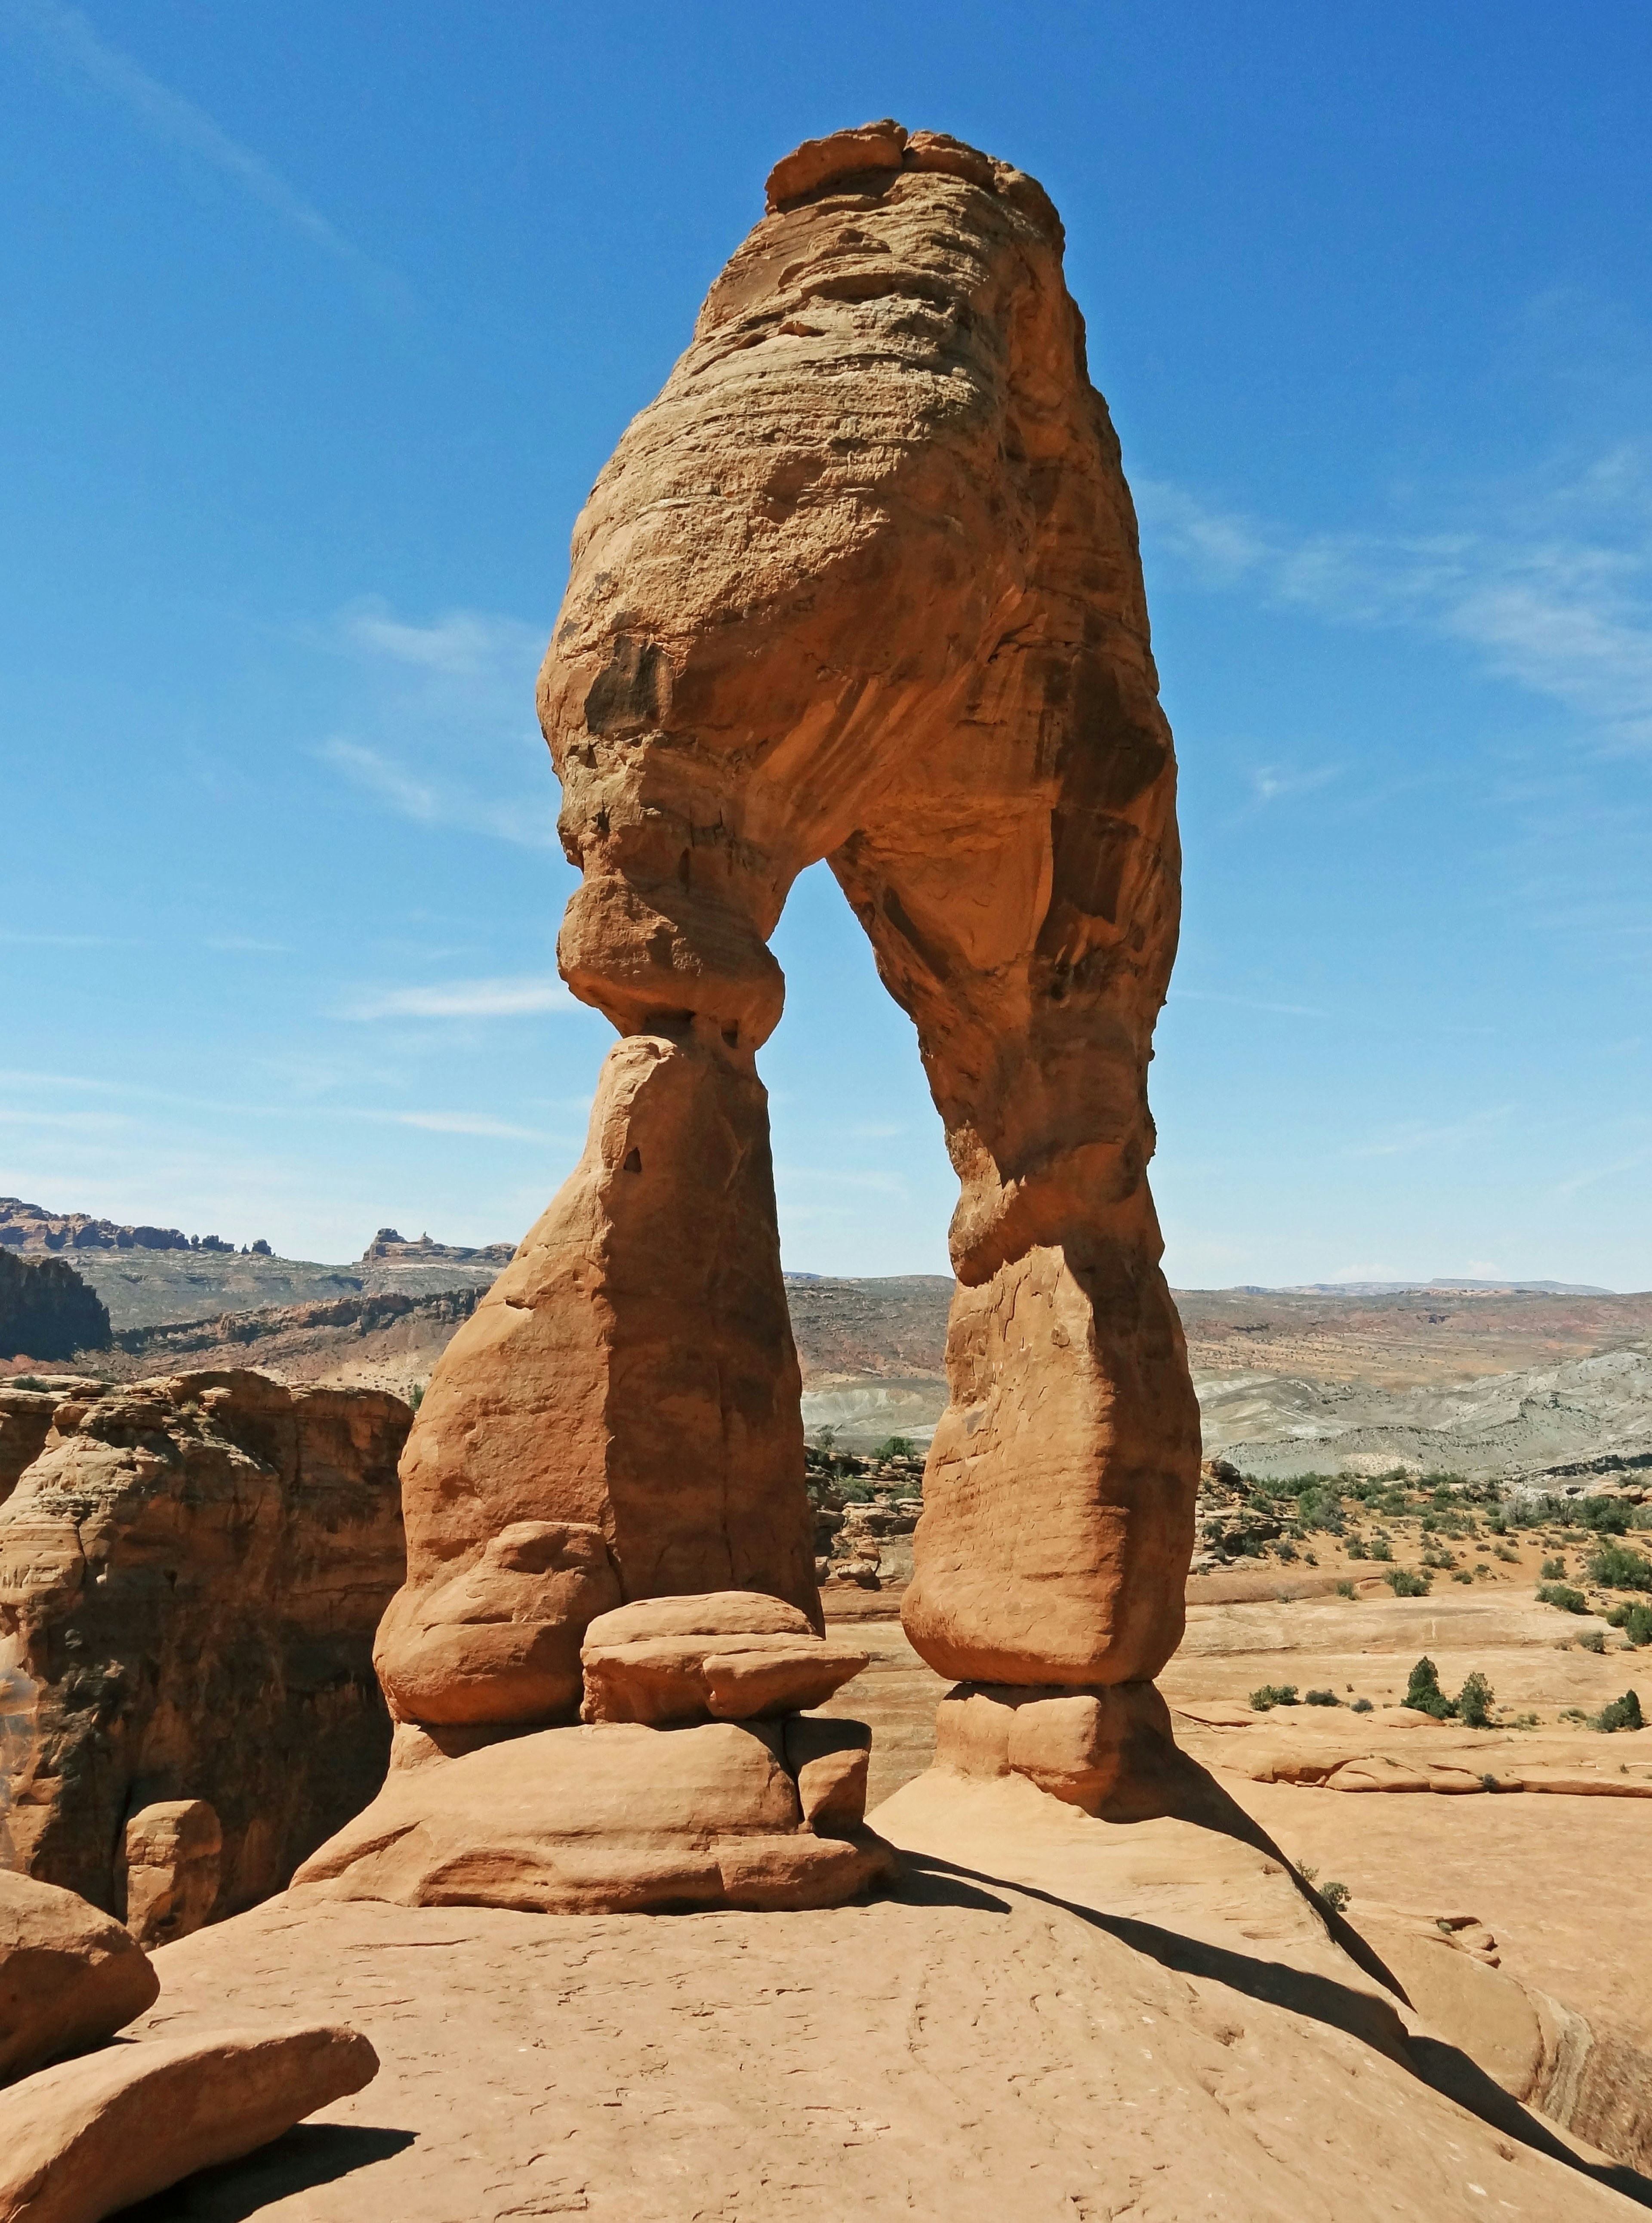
(861, 583)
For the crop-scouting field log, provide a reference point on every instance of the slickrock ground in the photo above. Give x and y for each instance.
(966, 2049)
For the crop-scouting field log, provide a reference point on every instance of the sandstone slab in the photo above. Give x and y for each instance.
(80, 2141)
(69, 1976)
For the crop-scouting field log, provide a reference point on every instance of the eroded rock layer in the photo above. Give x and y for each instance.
(191, 1573)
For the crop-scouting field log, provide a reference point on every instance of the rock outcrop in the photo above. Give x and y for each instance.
(191, 1573)
(46, 1311)
(69, 1976)
(614, 1818)
(861, 584)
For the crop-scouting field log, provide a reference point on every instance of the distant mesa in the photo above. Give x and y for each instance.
(31, 1227)
(391, 1248)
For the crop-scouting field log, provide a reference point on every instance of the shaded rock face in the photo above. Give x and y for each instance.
(862, 584)
(191, 1573)
(47, 1311)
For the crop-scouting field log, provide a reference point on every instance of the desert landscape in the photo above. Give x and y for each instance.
(599, 1725)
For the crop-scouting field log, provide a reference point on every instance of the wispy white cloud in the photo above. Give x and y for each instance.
(1555, 593)
(1275, 782)
(453, 699)
(1179, 994)
(512, 998)
(1417, 1135)
(1628, 1163)
(464, 644)
(469, 1123)
(431, 800)
(20, 940)
(68, 43)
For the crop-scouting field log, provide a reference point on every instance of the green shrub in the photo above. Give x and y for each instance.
(1406, 1584)
(1567, 1601)
(1615, 1567)
(416, 1396)
(1622, 1713)
(1381, 1548)
(1462, 1575)
(1347, 1589)
(1607, 1516)
(1273, 1694)
(1474, 1702)
(1635, 1621)
(1423, 1693)
(895, 1447)
(1360, 1706)
(1592, 1639)
(1321, 1698)
(1335, 1896)
(1553, 1571)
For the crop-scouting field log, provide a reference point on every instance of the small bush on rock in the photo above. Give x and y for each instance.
(1423, 1694)
(1561, 1597)
(1591, 1639)
(1273, 1694)
(1474, 1702)
(1635, 1621)
(1622, 1713)
(1321, 1698)
(1406, 1584)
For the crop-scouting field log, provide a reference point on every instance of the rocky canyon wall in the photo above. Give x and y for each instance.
(191, 1573)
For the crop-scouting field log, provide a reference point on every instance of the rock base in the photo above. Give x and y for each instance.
(621, 1817)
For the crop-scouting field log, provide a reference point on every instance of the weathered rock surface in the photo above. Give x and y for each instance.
(618, 1816)
(69, 1976)
(80, 2141)
(191, 1573)
(733, 1656)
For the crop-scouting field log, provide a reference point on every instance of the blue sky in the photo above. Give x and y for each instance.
(320, 321)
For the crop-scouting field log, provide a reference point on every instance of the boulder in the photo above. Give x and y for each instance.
(499, 1640)
(730, 1656)
(69, 1976)
(81, 2141)
(191, 1573)
(172, 1852)
(616, 1818)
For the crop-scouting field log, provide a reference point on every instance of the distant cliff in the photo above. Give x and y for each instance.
(47, 1311)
